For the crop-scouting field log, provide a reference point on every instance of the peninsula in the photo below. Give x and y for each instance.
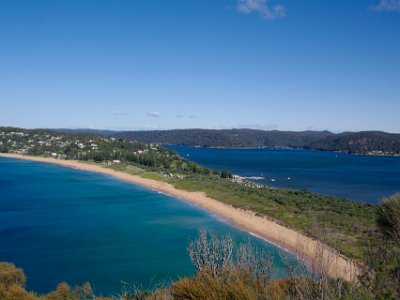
(328, 233)
(335, 264)
(280, 216)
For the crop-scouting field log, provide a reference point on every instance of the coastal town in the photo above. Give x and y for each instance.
(64, 146)
(107, 150)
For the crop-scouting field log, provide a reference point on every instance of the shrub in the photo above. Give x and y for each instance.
(12, 281)
(389, 217)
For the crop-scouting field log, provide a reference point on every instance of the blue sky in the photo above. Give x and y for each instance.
(144, 64)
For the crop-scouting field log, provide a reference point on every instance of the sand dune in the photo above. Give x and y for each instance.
(322, 257)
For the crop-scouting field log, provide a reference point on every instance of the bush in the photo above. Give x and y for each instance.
(10, 275)
(12, 281)
(389, 218)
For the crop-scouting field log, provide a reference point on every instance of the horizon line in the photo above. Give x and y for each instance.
(199, 128)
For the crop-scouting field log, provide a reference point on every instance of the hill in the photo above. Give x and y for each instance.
(227, 138)
(363, 142)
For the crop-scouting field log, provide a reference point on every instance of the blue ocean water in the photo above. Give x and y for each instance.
(361, 178)
(61, 224)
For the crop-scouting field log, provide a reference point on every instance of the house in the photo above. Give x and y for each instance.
(80, 145)
(94, 146)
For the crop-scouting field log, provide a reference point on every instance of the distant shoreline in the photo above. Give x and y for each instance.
(370, 143)
(285, 148)
(333, 263)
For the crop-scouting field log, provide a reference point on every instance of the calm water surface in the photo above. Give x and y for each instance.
(362, 178)
(60, 224)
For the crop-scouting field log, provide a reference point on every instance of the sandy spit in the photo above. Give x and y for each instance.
(320, 256)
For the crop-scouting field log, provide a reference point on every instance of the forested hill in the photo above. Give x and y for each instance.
(228, 138)
(364, 142)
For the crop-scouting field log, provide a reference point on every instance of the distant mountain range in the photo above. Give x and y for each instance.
(363, 142)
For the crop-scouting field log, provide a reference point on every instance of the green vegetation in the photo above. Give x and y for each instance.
(389, 218)
(382, 256)
(227, 138)
(343, 224)
(365, 142)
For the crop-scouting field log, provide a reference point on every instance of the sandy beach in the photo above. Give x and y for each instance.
(320, 256)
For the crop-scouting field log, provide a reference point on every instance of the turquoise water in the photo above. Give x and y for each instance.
(361, 178)
(61, 224)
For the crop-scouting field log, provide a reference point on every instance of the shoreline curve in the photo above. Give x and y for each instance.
(322, 258)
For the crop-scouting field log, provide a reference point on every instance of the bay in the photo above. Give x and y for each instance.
(361, 178)
(61, 224)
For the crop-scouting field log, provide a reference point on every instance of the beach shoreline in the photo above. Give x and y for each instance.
(319, 255)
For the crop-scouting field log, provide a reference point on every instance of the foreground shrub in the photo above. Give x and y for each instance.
(231, 285)
(10, 275)
(12, 281)
(64, 292)
(389, 218)
(242, 272)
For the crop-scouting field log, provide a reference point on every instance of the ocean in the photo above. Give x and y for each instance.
(361, 178)
(61, 224)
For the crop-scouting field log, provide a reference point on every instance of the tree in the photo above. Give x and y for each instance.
(389, 218)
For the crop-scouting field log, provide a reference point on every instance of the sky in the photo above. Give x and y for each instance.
(146, 64)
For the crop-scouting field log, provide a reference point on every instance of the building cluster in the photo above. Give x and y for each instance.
(382, 153)
(58, 145)
(243, 180)
(51, 145)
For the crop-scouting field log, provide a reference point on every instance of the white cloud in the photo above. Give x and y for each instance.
(261, 7)
(387, 5)
(154, 114)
